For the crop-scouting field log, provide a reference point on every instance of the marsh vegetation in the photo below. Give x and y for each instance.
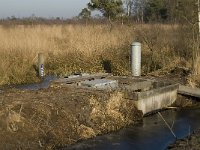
(86, 48)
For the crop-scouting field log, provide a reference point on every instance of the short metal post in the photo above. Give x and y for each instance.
(136, 59)
(41, 64)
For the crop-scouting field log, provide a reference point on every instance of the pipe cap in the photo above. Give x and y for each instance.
(136, 44)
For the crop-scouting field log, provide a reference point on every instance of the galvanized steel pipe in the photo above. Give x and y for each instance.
(136, 59)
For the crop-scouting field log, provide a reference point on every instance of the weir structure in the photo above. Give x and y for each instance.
(148, 95)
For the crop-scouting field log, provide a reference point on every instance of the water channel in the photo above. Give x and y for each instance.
(151, 134)
(36, 86)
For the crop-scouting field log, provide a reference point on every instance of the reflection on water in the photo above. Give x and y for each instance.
(151, 134)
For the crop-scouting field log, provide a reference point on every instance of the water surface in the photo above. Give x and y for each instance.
(151, 134)
(36, 86)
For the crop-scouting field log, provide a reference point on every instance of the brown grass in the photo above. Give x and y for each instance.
(79, 48)
(20, 45)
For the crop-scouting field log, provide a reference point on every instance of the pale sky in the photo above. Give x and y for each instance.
(41, 8)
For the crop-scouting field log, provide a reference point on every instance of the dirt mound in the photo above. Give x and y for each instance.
(56, 117)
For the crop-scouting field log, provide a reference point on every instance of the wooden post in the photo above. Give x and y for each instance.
(41, 64)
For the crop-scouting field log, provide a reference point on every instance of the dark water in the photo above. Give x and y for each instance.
(151, 134)
(36, 86)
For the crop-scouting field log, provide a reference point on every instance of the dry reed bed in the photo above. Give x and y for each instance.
(20, 45)
(74, 48)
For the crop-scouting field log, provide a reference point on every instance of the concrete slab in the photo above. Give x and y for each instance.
(100, 84)
(77, 75)
(185, 90)
(79, 78)
(138, 86)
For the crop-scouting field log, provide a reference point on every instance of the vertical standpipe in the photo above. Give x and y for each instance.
(136, 59)
(41, 64)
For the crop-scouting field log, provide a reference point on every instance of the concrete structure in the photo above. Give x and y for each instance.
(101, 84)
(155, 99)
(72, 79)
(184, 90)
(147, 95)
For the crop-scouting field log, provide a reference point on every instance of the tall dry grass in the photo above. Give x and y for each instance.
(20, 45)
(74, 48)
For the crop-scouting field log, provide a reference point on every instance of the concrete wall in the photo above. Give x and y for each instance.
(156, 102)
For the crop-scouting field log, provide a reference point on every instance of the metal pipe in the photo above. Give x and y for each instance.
(136, 59)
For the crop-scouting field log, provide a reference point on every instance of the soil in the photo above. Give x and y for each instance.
(59, 116)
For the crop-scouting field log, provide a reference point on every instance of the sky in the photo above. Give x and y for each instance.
(41, 8)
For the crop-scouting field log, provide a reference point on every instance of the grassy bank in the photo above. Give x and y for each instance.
(92, 48)
(57, 117)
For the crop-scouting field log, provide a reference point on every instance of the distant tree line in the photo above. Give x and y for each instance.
(144, 10)
(9, 21)
(141, 11)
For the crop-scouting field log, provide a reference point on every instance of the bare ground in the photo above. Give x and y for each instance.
(56, 117)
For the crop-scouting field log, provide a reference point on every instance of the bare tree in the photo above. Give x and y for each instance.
(129, 5)
(138, 9)
(135, 8)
